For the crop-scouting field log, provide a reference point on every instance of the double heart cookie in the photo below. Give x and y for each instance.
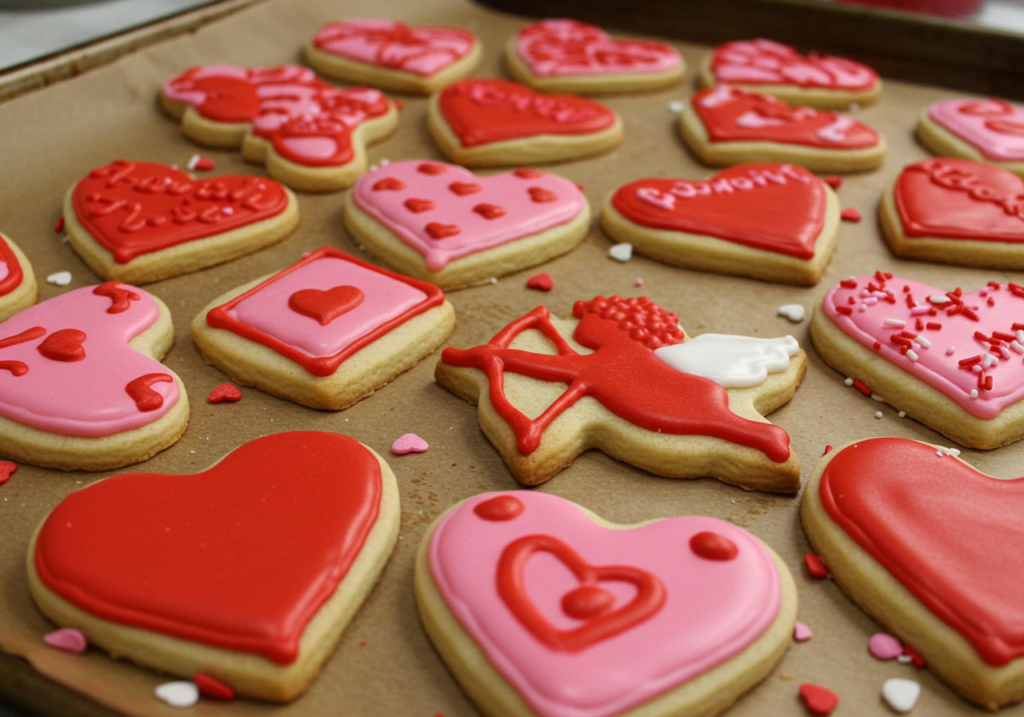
(956, 211)
(141, 222)
(822, 81)
(775, 222)
(728, 125)
(310, 135)
(394, 56)
(247, 572)
(442, 223)
(570, 56)
(989, 131)
(928, 546)
(18, 288)
(81, 385)
(542, 609)
(487, 122)
(953, 360)
(325, 332)
(625, 379)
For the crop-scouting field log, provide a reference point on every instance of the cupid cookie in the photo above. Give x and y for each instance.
(310, 135)
(570, 56)
(325, 332)
(392, 55)
(141, 222)
(956, 211)
(776, 222)
(638, 389)
(443, 224)
(950, 359)
(990, 131)
(541, 608)
(488, 122)
(727, 125)
(769, 67)
(928, 546)
(81, 384)
(247, 572)
(18, 288)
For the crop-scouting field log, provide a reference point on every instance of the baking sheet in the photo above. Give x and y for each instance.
(385, 665)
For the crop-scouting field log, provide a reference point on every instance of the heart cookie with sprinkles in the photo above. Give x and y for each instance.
(141, 222)
(310, 135)
(927, 545)
(541, 608)
(247, 572)
(776, 222)
(442, 223)
(953, 360)
(81, 385)
(18, 288)
(956, 211)
(727, 125)
(990, 131)
(487, 122)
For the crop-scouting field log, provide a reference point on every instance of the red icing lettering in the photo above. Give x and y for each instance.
(566, 47)
(140, 389)
(420, 50)
(713, 546)
(503, 507)
(120, 298)
(36, 332)
(325, 306)
(17, 368)
(490, 211)
(439, 231)
(65, 345)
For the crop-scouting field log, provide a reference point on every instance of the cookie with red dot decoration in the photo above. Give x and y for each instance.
(625, 379)
(18, 287)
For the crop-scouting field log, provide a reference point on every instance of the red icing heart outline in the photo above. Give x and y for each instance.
(325, 306)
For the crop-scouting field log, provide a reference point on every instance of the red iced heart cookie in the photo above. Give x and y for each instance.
(559, 604)
(325, 305)
(240, 557)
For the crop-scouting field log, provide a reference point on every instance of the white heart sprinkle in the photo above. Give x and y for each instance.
(61, 278)
(621, 252)
(178, 694)
(901, 694)
(793, 312)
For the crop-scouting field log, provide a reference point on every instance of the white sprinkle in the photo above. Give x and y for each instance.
(951, 350)
(974, 393)
(178, 694)
(895, 322)
(494, 280)
(920, 310)
(939, 299)
(904, 659)
(675, 107)
(1003, 353)
(878, 414)
(923, 341)
(939, 453)
(976, 368)
(854, 107)
(901, 694)
(60, 278)
(871, 300)
(1020, 335)
(876, 397)
(621, 252)
(1016, 346)
(193, 162)
(848, 382)
(793, 312)
(862, 308)
(912, 355)
(988, 360)
(902, 414)
(949, 451)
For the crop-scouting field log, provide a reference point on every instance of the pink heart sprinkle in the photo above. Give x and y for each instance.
(801, 633)
(884, 646)
(6, 469)
(67, 639)
(409, 443)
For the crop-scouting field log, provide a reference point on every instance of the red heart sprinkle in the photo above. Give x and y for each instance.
(224, 392)
(419, 205)
(6, 469)
(915, 658)
(59, 226)
(393, 184)
(212, 687)
(815, 566)
(541, 195)
(64, 345)
(541, 282)
(712, 546)
(440, 231)
(850, 215)
(204, 164)
(819, 700)
(431, 169)
(325, 305)
(490, 211)
(833, 181)
(527, 173)
(464, 188)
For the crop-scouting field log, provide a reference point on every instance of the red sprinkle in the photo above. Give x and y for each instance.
(844, 310)
(833, 181)
(915, 658)
(541, 282)
(1004, 336)
(877, 345)
(213, 688)
(859, 385)
(204, 164)
(828, 449)
(980, 337)
(933, 325)
(1017, 327)
(848, 284)
(815, 567)
(364, 643)
(59, 226)
(819, 700)
(224, 392)
(993, 285)
(6, 469)
(969, 361)
(850, 215)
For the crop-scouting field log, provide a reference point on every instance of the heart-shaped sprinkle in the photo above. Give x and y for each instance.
(801, 632)
(409, 443)
(901, 694)
(833, 181)
(490, 211)
(464, 188)
(819, 700)
(884, 646)
(793, 312)
(441, 231)
(325, 305)
(541, 282)
(213, 688)
(199, 163)
(64, 345)
(6, 470)
(621, 252)
(59, 225)
(178, 694)
(416, 206)
(67, 639)
(224, 393)
(60, 278)
(816, 567)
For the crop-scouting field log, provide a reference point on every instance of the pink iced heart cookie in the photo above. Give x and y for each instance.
(532, 593)
(952, 359)
(569, 56)
(311, 135)
(393, 55)
(18, 288)
(442, 223)
(75, 394)
(822, 81)
(984, 130)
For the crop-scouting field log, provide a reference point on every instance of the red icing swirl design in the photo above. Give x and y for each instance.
(12, 274)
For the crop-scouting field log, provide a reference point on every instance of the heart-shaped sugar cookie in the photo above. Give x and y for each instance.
(530, 592)
(286, 532)
(994, 128)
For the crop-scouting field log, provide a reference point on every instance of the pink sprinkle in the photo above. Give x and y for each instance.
(884, 646)
(850, 215)
(67, 639)
(639, 281)
(6, 469)
(409, 443)
(801, 633)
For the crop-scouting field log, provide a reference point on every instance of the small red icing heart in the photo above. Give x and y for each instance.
(819, 700)
(464, 188)
(64, 345)
(440, 231)
(226, 392)
(541, 195)
(418, 205)
(325, 306)
(387, 184)
(541, 282)
(490, 211)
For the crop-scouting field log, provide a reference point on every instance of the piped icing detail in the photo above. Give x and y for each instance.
(560, 47)
(79, 389)
(324, 326)
(580, 577)
(729, 360)
(11, 273)
(155, 551)
(766, 62)
(444, 224)
(911, 324)
(419, 50)
(994, 127)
